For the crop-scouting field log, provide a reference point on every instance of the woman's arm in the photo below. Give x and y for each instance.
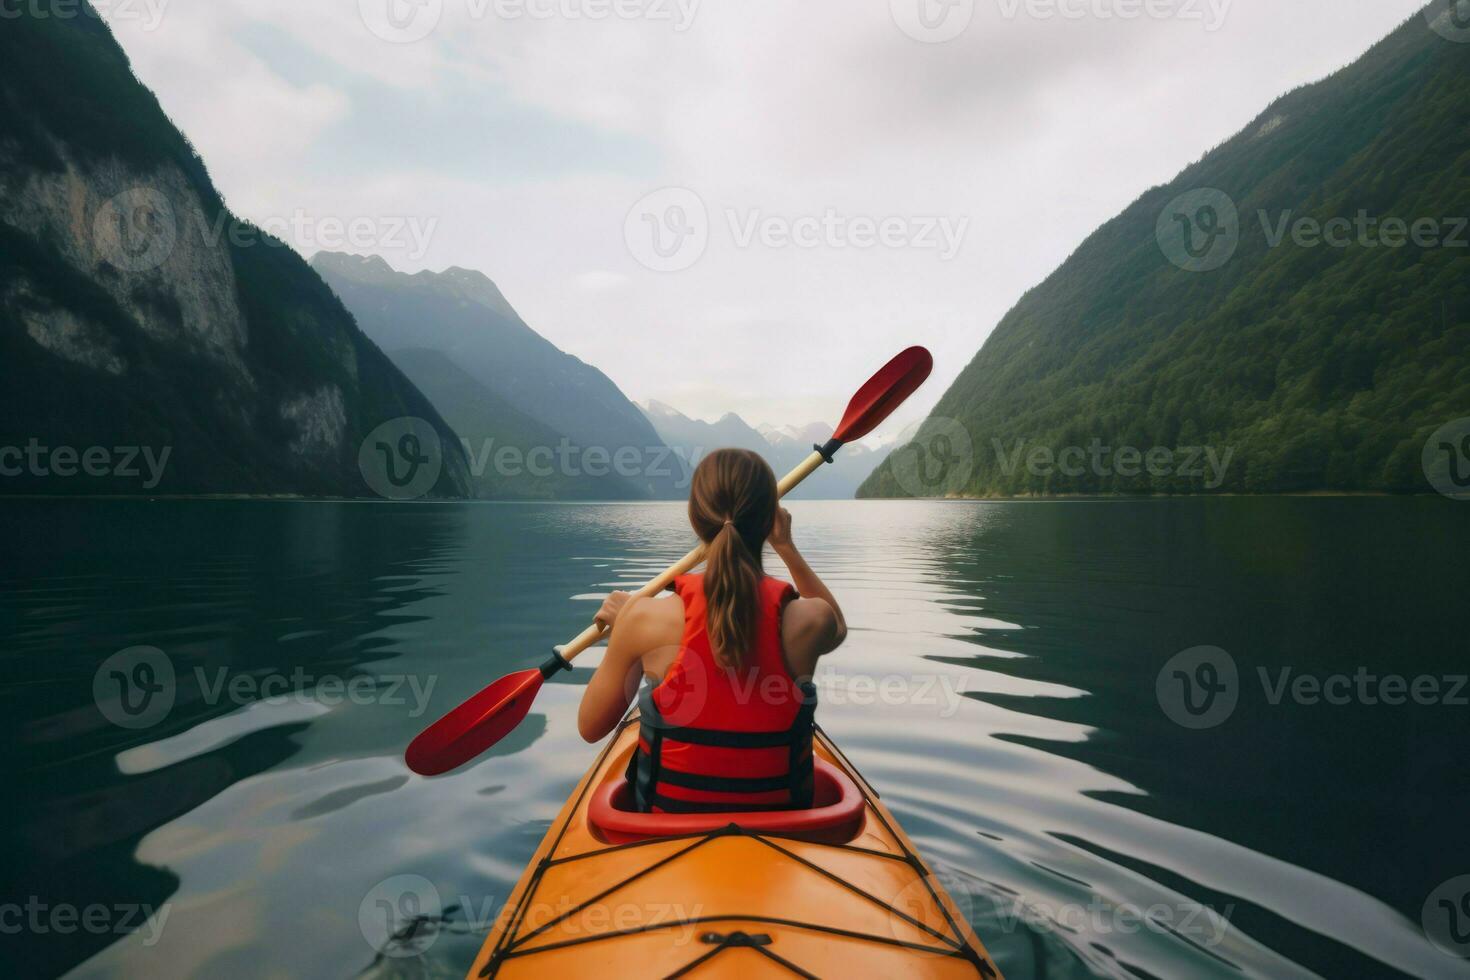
(615, 682)
(813, 625)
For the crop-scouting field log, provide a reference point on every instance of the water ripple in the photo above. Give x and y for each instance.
(998, 687)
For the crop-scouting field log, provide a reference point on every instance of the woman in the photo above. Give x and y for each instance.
(727, 718)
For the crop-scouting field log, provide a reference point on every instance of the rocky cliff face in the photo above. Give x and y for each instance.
(133, 318)
(143, 238)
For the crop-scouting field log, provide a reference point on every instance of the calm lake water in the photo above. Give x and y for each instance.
(1007, 685)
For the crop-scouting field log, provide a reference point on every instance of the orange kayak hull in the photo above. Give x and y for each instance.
(729, 901)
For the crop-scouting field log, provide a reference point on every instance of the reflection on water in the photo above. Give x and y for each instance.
(999, 687)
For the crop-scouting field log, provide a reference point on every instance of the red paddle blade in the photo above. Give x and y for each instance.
(884, 392)
(475, 725)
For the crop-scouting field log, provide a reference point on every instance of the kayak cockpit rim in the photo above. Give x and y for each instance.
(952, 941)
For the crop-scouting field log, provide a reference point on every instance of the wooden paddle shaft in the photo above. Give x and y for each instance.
(589, 636)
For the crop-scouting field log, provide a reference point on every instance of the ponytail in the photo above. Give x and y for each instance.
(731, 585)
(732, 507)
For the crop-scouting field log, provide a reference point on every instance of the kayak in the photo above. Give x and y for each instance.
(836, 890)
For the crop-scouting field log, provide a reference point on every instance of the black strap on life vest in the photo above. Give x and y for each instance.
(646, 770)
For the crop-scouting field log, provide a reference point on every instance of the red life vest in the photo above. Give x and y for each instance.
(716, 740)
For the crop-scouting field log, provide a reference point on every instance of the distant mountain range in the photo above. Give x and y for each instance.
(683, 432)
(782, 447)
(1248, 308)
(536, 421)
(150, 342)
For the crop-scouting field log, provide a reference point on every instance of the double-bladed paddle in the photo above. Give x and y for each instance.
(493, 713)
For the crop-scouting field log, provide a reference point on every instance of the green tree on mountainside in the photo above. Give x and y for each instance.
(1318, 367)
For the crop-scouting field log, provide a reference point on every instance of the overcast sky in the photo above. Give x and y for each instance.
(849, 176)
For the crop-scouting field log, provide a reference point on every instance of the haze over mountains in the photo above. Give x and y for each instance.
(141, 320)
(782, 447)
(1273, 304)
(505, 388)
(463, 314)
(508, 391)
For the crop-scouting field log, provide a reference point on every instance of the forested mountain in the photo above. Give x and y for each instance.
(462, 314)
(511, 455)
(143, 347)
(1298, 301)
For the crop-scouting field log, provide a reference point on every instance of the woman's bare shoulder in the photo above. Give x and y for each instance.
(810, 628)
(653, 616)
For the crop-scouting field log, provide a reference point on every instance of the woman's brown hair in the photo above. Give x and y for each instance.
(732, 507)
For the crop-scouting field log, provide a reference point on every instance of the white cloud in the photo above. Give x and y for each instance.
(599, 280)
(1035, 130)
(250, 124)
